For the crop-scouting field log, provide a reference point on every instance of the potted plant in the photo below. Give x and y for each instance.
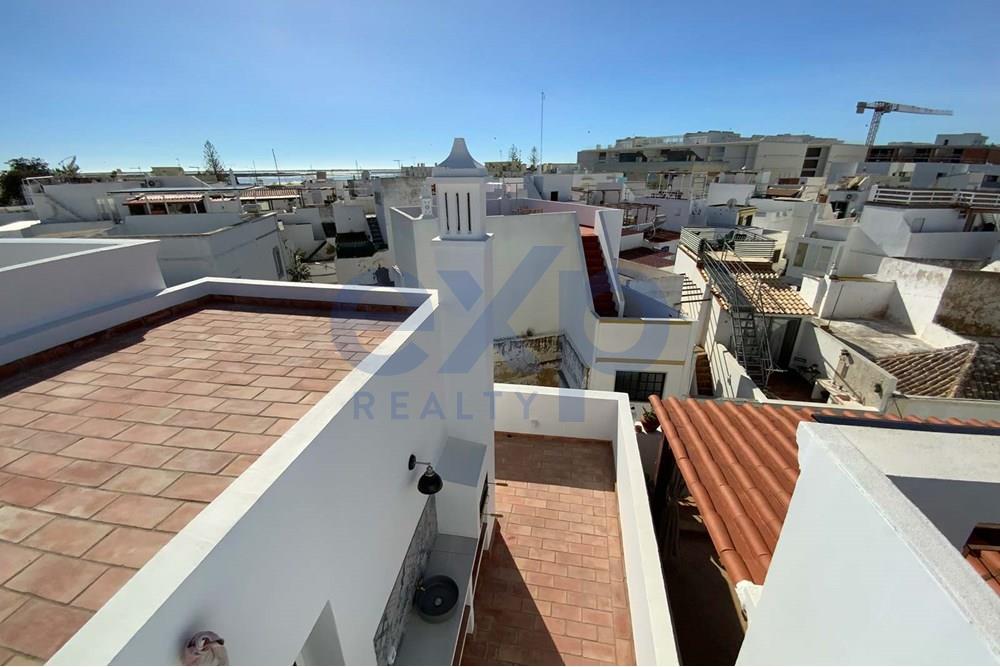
(649, 421)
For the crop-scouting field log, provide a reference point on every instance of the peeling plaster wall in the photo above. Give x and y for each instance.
(539, 360)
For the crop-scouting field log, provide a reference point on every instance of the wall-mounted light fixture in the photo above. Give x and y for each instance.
(430, 482)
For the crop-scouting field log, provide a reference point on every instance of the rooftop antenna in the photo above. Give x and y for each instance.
(541, 134)
(276, 170)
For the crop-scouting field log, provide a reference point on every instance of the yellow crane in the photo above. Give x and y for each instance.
(880, 108)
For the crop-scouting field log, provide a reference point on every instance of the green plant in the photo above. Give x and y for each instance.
(299, 271)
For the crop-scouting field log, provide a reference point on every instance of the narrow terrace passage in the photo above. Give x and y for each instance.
(552, 590)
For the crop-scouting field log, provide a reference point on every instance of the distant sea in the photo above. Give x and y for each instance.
(294, 179)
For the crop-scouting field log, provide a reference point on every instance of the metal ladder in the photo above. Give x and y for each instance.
(750, 329)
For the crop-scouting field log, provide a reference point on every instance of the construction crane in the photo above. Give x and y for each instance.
(881, 108)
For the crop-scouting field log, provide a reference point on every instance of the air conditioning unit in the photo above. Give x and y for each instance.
(252, 207)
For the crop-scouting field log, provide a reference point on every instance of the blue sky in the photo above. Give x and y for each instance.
(127, 84)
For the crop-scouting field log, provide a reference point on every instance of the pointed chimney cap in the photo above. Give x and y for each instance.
(459, 162)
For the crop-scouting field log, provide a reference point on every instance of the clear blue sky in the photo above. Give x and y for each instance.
(126, 84)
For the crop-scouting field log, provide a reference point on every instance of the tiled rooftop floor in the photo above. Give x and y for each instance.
(106, 452)
(552, 590)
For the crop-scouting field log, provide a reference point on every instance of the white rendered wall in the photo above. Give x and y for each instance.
(873, 582)
(602, 415)
(59, 279)
(350, 218)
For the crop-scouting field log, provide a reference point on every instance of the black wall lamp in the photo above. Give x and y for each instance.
(430, 482)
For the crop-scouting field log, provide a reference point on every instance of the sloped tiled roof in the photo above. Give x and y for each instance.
(269, 193)
(773, 298)
(962, 371)
(740, 462)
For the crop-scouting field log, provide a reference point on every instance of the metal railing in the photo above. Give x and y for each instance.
(914, 197)
(741, 241)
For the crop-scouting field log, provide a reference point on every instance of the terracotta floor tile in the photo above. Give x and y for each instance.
(128, 547)
(27, 491)
(57, 422)
(226, 391)
(149, 456)
(156, 384)
(207, 403)
(286, 410)
(239, 465)
(238, 406)
(105, 410)
(141, 480)
(96, 449)
(149, 434)
(246, 424)
(77, 501)
(70, 537)
(47, 442)
(94, 427)
(9, 455)
(39, 628)
(247, 443)
(13, 559)
(197, 438)
(138, 511)
(34, 464)
(11, 435)
(104, 588)
(149, 415)
(19, 416)
(87, 473)
(56, 578)
(181, 517)
(195, 419)
(527, 597)
(9, 603)
(193, 486)
(197, 461)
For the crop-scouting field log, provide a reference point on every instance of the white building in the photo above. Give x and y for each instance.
(555, 265)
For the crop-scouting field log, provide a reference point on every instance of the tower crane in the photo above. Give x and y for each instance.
(882, 107)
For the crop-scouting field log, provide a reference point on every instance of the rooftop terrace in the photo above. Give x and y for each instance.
(110, 447)
(553, 588)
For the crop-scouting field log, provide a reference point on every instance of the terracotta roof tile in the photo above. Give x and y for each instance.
(962, 371)
(740, 462)
(766, 291)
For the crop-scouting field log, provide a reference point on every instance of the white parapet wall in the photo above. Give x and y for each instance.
(869, 568)
(43, 280)
(575, 413)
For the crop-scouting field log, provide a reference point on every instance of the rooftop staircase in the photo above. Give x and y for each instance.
(750, 328)
(376, 234)
(597, 273)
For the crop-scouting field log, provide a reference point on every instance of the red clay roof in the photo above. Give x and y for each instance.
(740, 462)
(963, 371)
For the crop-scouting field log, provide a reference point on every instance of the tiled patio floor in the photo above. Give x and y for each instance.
(552, 589)
(108, 451)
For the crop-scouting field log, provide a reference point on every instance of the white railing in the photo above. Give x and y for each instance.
(911, 197)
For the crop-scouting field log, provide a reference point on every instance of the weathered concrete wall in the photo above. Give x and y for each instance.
(527, 360)
(971, 303)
